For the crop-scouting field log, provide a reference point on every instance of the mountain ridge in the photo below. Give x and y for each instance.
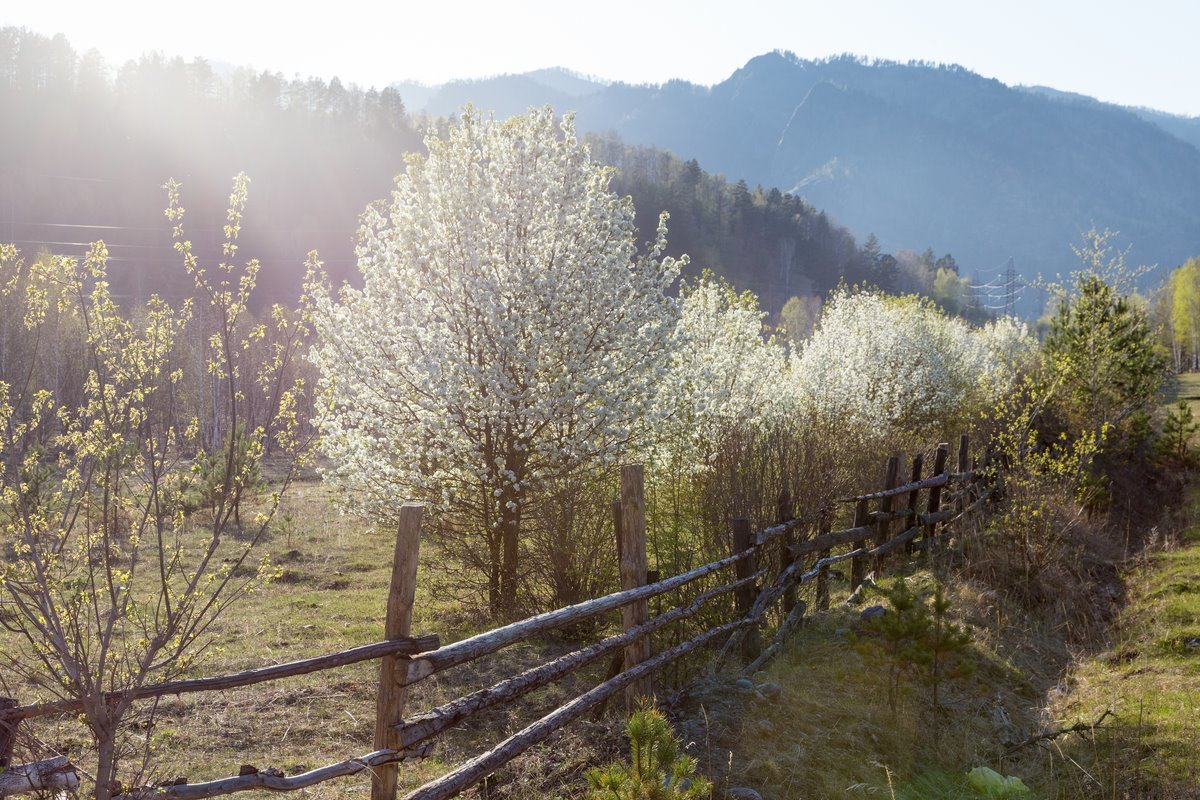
(916, 153)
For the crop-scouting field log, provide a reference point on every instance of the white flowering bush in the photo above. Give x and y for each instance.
(507, 334)
(898, 365)
(1014, 350)
(723, 374)
(727, 437)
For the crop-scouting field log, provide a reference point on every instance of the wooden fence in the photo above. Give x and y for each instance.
(900, 524)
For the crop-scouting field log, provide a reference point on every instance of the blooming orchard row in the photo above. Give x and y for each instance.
(508, 335)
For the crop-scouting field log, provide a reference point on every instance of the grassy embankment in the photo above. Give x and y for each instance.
(833, 735)
(830, 734)
(1150, 673)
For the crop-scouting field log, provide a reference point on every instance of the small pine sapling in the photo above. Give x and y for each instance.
(893, 641)
(948, 643)
(656, 769)
(1174, 443)
(916, 639)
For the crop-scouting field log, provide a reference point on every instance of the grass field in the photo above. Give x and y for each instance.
(330, 595)
(1187, 387)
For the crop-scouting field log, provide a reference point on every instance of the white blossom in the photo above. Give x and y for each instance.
(507, 330)
(723, 374)
(887, 364)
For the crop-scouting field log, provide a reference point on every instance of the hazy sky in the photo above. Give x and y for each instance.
(1134, 53)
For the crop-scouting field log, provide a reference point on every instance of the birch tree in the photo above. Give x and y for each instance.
(1184, 286)
(507, 333)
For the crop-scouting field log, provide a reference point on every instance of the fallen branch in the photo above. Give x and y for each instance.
(1078, 727)
(52, 774)
(273, 779)
(785, 630)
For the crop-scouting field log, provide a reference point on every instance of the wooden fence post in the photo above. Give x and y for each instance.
(8, 733)
(858, 564)
(393, 670)
(935, 494)
(616, 512)
(633, 573)
(743, 541)
(784, 513)
(891, 476)
(964, 444)
(917, 463)
(823, 571)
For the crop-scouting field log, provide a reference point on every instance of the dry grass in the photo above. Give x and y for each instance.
(830, 734)
(330, 595)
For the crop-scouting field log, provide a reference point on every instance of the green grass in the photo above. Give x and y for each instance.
(1149, 678)
(832, 735)
(1186, 386)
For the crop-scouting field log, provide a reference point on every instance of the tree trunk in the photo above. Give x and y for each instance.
(510, 530)
(105, 772)
(493, 573)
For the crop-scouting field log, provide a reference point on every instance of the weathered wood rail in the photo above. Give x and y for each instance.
(407, 660)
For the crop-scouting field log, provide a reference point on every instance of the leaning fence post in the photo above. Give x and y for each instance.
(823, 571)
(784, 513)
(891, 477)
(8, 733)
(633, 573)
(743, 541)
(917, 463)
(393, 670)
(858, 564)
(935, 493)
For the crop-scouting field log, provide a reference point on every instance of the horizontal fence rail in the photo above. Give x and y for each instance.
(407, 660)
(367, 652)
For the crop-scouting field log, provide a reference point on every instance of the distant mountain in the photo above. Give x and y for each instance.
(918, 154)
(1185, 128)
(505, 95)
(566, 82)
(415, 95)
(1181, 127)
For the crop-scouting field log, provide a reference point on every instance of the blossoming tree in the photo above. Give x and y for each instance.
(723, 375)
(507, 333)
(887, 364)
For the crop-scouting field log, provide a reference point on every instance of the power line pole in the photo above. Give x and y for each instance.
(1010, 288)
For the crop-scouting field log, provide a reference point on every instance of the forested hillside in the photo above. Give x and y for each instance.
(83, 157)
(777, 245)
